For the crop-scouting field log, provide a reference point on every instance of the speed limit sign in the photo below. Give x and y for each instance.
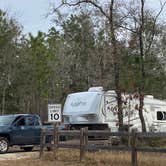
(54, 112)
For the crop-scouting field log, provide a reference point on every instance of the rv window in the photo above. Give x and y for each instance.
(159, 115)
(164, 115)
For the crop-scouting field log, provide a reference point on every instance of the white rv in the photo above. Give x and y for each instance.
(97, 109)
(89, 109)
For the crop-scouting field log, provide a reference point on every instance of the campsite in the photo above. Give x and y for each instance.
(82, 82)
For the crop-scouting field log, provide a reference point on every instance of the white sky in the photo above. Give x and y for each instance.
(31, 13)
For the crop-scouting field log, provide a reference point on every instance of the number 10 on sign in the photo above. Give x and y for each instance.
(54, 112)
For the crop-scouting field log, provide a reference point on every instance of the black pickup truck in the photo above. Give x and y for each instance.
(20, 129)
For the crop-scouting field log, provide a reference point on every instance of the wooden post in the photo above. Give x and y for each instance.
(86, 136)
(109, 138)
(42, 142)
(56, 140)
(82, 144)
(134, 150)
(129, 139)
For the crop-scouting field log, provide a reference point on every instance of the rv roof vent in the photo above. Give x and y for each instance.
(111, 92)
(149, 96)
(95, 89)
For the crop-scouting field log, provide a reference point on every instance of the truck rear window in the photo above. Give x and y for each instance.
(6, 120)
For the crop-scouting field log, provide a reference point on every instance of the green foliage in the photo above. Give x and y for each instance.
(9, 32)
(78, 35)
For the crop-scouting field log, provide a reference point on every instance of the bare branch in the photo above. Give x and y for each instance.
(154, 24)
(84, 1)
(64, 2)
(126, 28)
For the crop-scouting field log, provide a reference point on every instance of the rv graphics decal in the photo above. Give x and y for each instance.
(78, 102)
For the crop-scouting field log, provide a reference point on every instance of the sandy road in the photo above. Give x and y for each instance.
(16, 153)
(19, 155)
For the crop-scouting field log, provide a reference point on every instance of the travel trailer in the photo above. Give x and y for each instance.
(97, 109)
(154, 112)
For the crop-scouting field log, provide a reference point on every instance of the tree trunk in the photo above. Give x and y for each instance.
(3, 100)
(116, 67)
(141, 100)
(120, 110)
(142, 69)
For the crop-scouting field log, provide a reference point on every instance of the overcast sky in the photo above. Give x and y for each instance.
(31, 13)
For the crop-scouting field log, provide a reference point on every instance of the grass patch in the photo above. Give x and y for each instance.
(150, 142)
(68, 157)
